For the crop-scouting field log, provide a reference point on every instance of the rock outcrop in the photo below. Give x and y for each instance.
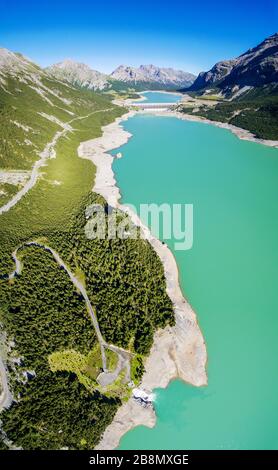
(79, 74)
(255, 68)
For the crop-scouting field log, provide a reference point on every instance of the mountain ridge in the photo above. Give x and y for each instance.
(82, 75)
(256, 67)
(242, 92)
(164, 76)
(79, 74)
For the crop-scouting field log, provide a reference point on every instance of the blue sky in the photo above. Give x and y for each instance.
(190, 35)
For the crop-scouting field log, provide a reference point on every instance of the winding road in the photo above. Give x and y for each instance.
(48, 152)
(106, 377)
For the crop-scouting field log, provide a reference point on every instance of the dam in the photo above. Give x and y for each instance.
(148, 105)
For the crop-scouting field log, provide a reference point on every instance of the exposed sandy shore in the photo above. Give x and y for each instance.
(178, 351)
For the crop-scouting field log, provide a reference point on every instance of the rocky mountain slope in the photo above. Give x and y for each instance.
(213, 76)
(152, 76)
(123, 78)
(33, 108)
(242, 92)
(255, 68)
(79, 74)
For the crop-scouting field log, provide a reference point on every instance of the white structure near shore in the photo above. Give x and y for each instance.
(142, 397)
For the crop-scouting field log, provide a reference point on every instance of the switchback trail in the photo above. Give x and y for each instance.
(106, 377)
(48, 152)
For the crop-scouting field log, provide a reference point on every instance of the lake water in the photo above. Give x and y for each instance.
(160, 97)
(230, 277)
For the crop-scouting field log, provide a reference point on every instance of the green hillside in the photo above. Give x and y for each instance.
(41, 313)
(255, 111)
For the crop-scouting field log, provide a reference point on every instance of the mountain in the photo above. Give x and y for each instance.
(123, 78)
(152, 76)
(79, 74)
(214, 75)
(255, 68)
(33, 106)
(242, 91)
(13, 64)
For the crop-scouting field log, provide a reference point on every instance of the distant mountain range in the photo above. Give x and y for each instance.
(150, 74)
(82, 76)
(258, 67)
(241, 91)
(146, 76)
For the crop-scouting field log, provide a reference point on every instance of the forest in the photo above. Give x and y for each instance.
(43, 314)
(255, 113)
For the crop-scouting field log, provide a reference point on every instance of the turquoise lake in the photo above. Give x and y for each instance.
(230, 277)
(160, 97)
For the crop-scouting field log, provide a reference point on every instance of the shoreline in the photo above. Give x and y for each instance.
(178, 351)
(142, 98)
(242, 134)
(161, 91)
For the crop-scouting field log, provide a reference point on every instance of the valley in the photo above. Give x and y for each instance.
(87, 322)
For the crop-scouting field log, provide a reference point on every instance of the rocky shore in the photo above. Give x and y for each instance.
(177, 351)
(242, 134)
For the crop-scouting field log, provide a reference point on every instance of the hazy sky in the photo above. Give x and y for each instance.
(191, 35)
